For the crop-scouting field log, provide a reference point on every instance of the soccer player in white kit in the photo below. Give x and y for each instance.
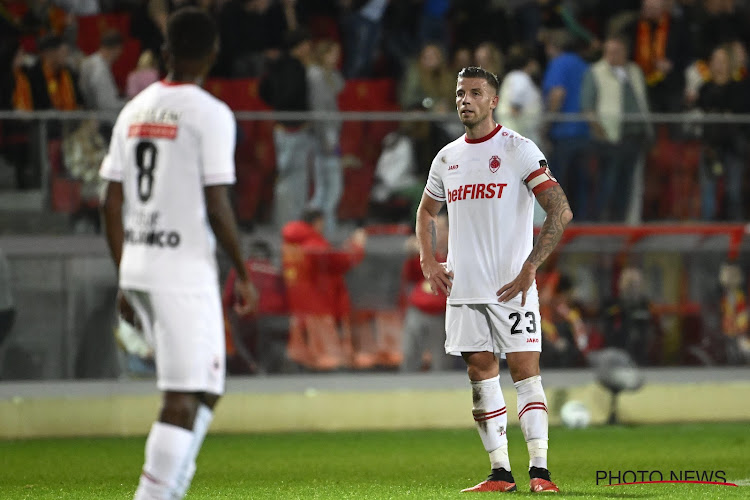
(489, 178)
(170, 161)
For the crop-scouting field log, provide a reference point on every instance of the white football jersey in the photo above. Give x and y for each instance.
(168, 143)
(489, 185)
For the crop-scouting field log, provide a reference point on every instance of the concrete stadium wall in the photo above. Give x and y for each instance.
(361, 402)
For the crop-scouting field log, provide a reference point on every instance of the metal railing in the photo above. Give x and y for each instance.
(41, 120)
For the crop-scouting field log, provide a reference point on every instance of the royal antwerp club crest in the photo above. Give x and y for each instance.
(494, 164)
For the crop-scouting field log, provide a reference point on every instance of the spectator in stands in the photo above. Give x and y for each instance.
(734, 315)
(397, 190)
(462, 58)
(7, 306)
(424, 324)
(51, 84)
(400, 42)
(362, 24)
(145, 73)
(699, 72)
(520, 106)
(148, 24)
(614, 86)
(43, 18)
(326, 83)
(429, 82)
(488, 56)
(260, 335)
(662, 49)
(565, 336)
(284, 87)
(318, 298)
(252, 35)
(628, 321)
(96, 81)
(561, 88)
(724, 145)
(525, 20)
(433, 23)
(718, 22)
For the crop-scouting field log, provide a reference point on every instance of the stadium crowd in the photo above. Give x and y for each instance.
(609, 61)
(606, 60)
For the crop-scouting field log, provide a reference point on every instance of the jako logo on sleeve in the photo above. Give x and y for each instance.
(476, 192)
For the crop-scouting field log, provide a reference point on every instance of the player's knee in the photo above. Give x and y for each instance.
(481, 365)
(522, 372)
(523, 365)
(179, 409)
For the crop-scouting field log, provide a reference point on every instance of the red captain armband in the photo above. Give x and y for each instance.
(540, 179)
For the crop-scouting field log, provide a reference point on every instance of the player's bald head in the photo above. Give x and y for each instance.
(477, 72)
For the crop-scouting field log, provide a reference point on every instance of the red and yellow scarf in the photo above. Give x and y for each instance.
(60, 89)
(651, 46)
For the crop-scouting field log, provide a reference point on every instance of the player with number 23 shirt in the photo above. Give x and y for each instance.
(489, 178)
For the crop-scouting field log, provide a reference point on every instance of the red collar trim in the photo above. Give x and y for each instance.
(174, 84)
(485, 138)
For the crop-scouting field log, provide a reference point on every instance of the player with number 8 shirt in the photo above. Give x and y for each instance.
(165, 203)
(489, 178)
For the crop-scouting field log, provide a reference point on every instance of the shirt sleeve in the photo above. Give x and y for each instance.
(111, 168)
(553, 77)
(435, 188)
(534, 169)
(588, 92)
(219, 134)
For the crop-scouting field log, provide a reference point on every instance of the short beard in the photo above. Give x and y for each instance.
(471, 125)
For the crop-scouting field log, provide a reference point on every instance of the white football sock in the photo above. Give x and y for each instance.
(167, 447)
(203, 418)
(491, 419)
(532, 414)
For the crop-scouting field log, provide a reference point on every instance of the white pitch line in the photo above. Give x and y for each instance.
(741, 482)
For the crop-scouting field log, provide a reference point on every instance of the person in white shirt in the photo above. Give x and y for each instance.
(520, 105)
(170, 162)
(489, 178)
(96, 81)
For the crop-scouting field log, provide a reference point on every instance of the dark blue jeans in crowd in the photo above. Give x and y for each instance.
(617, 164)
(361, 36)
(731, 169)
(569, 164)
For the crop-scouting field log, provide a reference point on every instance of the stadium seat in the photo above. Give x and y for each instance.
(91, 29)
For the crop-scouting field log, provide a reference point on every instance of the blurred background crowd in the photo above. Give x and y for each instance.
(631, 101)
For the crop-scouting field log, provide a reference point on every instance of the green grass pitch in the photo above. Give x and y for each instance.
(428, 464)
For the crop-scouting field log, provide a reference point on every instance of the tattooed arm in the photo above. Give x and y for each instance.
(433, 271)
(555, 203)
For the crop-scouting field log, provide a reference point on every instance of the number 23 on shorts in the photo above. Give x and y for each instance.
(517, 327)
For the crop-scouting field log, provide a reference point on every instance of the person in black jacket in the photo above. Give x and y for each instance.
(723, 144)
(284, 88)
(628, 321)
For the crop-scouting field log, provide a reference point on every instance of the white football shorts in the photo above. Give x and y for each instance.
(498, 328)
(186, 330)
